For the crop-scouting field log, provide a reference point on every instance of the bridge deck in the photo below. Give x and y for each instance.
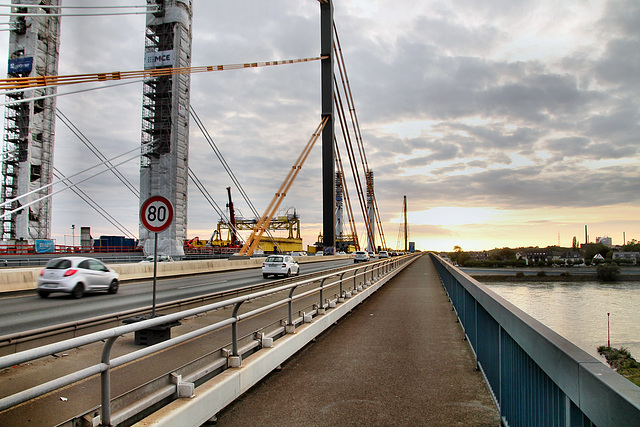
(398, 359)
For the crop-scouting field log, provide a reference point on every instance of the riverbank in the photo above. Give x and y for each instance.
(533, 274)
(534, 277)
(622, 362)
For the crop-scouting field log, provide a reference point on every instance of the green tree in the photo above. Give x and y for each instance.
(608, 272)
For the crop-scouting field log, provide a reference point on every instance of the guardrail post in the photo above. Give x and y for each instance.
(290, 328)
(364, 279)
(355, 282)
(341, 297)
(105, 382)
(235, 360)
(321, 309)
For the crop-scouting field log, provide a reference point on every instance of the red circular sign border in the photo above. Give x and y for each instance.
(146, 204)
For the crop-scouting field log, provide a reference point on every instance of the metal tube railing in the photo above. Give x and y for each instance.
(535, 376)
(111, 335)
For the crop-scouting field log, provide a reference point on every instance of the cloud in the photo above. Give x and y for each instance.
(503, 104)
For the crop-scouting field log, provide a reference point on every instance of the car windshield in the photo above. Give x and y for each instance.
(274, 259)
(59, 264)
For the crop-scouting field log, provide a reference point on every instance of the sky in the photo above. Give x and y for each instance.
(505, 123)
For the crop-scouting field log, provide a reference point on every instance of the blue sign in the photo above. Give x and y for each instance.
(20, 65)
(45, 246)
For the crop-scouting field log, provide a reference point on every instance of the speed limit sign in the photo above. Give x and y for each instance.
(156, 214)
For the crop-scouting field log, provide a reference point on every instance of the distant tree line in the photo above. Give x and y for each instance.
(507, 257)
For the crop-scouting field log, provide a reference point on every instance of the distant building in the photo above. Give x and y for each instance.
(627, 256)
(534, 255)
(605, 240)
(572, 258)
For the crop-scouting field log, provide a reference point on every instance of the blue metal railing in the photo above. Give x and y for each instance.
(536, 377)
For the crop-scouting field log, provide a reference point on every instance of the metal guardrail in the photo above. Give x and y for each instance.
(370, 272)
(536, 377)
(19, 341)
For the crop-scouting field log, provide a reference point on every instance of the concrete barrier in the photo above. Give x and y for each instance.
(25, 279)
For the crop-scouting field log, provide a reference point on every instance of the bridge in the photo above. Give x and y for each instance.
(408, 340)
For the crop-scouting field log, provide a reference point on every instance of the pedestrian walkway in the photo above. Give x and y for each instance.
(398, 359)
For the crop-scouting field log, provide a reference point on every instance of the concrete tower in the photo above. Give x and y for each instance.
(165, 120)
(27, 164)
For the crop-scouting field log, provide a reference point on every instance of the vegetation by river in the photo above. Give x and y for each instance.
(622, 362)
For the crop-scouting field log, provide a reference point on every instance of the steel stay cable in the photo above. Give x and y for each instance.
(52, 15)
(48, 6)
(352, 110)
(53, 95)
(227, 168)
(78, 133)
(346, 197)
(343, 72)
(352, 161)
(354, 172)
(92, 203)
(47, 81)
(7, 213)
(37, 190)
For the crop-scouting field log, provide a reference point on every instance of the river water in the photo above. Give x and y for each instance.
(578, 310)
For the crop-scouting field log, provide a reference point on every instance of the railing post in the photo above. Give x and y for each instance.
(105, 382)
(235, 360)
(355, 281)
(364, 278)
(341, 297)
(321, 309)
(290, 328)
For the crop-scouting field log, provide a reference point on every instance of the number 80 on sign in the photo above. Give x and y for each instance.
(156, 214)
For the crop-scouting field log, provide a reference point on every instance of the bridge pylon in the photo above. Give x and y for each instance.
(165, 120)
(34, 43)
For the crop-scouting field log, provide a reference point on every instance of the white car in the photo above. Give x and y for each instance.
(280, 265)
(360, 256)
(75, 276)
(383, 254)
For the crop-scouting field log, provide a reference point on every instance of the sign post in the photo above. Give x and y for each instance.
(156, 215)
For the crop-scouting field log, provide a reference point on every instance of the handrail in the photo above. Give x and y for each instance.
(111, 335)
(536, 376)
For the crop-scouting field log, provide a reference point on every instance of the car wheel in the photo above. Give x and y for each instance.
(265, 275)
(78, 291)
(43, 294)
(113, 287)
(298, 272)
(288, 273)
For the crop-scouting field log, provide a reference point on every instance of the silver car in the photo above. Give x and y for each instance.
(280, 265)
(360, 256)
(75, 276)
